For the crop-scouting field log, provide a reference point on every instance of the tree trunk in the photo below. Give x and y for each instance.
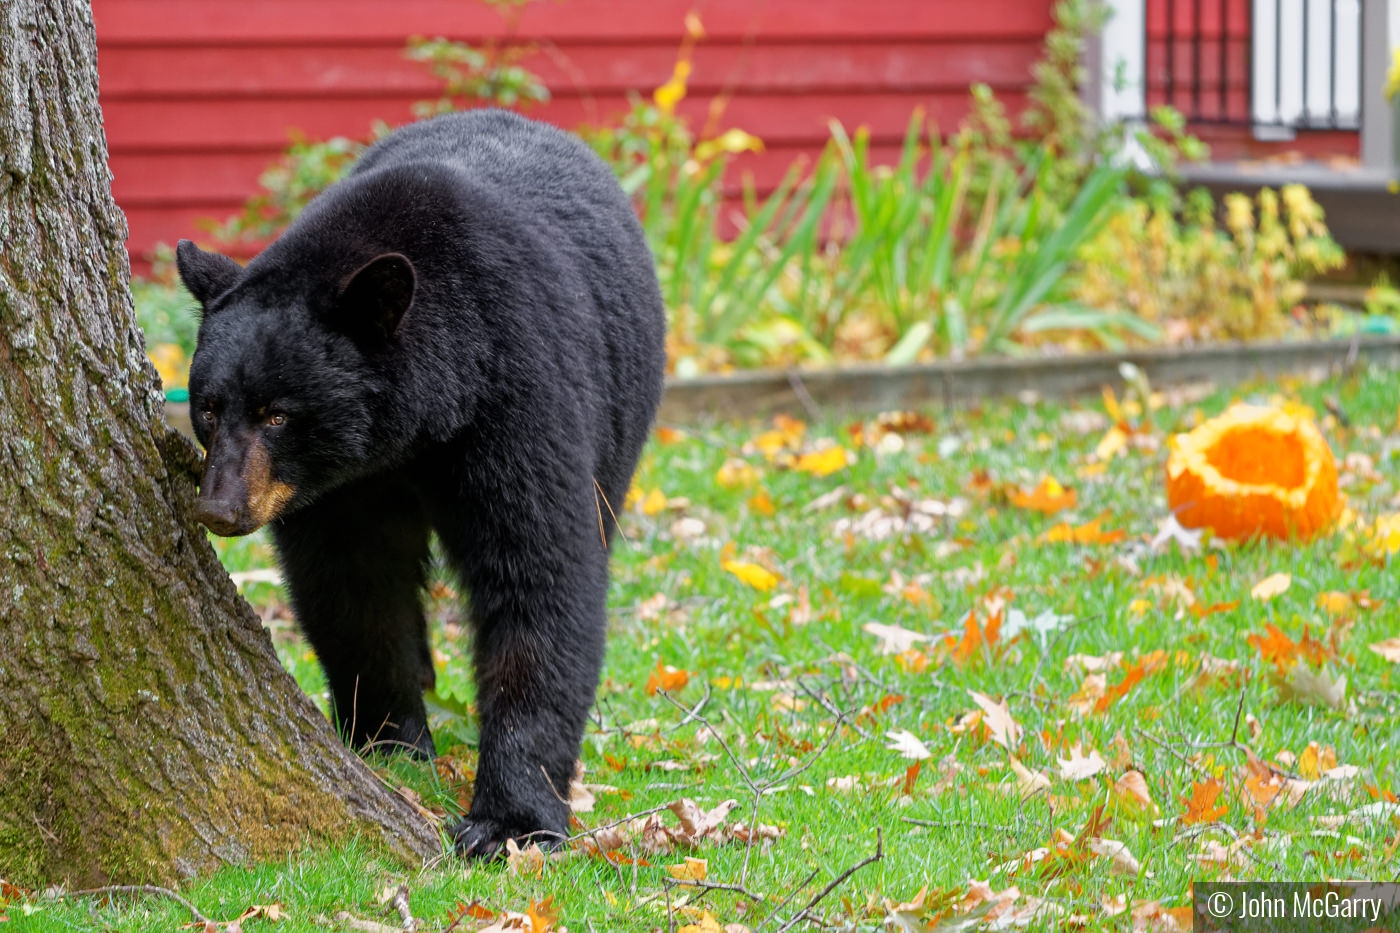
(147, 731)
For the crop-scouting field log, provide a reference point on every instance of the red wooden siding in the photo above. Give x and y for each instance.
(1224, 115)
(200, 95)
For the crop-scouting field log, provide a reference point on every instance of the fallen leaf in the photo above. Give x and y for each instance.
(1088, 533)
(1334, 603)
(654, 502)
(1028, 782)
(1121, 860)
(1004, 730)
(1081, 767)
(1388, 649)
(1316, 760)
(692, 869)
(1264, 787)
(1201, 806)
(1132, 791)
(1049, 497)
(760, 578)
(907, 744)
(977, 639)
(762, 504)
(823, 462)
(667, 678)
(526, 861)
(1317, 687)
(894, 639)
(1171, 531)
(736, 473)
(1271, 586)
(1114, 692)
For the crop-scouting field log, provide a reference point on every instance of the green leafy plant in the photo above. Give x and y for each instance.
(471, 75)
(1199, 281)
(306, 169)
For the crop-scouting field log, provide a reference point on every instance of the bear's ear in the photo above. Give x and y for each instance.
(372, 303)
(206, 275)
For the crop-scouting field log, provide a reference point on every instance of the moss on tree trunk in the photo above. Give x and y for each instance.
(147, 731)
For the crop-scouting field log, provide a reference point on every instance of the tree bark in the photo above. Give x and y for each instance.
(147, 730)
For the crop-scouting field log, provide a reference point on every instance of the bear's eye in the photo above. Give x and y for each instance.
(208, 415)
(277, 419)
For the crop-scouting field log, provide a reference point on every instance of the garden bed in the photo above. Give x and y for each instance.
(873, 387)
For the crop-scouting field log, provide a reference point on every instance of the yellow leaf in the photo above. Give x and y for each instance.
(761, 503)
(692, 869)
(707, 924)
(1316, 760)
(169, 361)
(1139, 606)
(1113, 441)
(1334, 603)
(1271, 586)
(755, 576)
(1385, 536)
(736, 474)
(823, 462)
(786, 434)
(654, 502)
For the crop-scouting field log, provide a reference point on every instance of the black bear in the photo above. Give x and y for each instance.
(465, 337)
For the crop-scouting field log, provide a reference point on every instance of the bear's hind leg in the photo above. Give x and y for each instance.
(356, 564)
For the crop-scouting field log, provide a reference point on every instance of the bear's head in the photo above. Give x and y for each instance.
(289, 378)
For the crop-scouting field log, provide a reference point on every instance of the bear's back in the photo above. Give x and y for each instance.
(532, 165)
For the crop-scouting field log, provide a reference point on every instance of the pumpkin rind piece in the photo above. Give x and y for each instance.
(1254, 471)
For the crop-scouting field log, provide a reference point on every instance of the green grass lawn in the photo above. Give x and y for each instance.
(1154, 743)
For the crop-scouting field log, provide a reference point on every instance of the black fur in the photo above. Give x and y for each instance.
(465, 336)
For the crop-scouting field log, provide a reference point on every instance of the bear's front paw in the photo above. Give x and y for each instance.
(485, 838)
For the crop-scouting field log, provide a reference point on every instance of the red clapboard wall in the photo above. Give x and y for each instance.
(1191, 47)
(199, 96)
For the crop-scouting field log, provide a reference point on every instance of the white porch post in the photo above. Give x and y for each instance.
(1378, 125)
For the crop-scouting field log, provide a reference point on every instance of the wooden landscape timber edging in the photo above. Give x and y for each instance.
(872, 388)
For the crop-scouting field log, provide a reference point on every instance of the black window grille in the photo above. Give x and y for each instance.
(1269, 64)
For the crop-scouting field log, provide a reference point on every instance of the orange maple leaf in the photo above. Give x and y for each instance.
(542, 914)
(975, 637)
(1115, 692)
(1201, 806)
(1048, 497)
(1283, 652)
(1275, 647)
(1088, 533)
(1201, 612)
(667, 678)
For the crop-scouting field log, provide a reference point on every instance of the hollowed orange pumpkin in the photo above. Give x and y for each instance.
(1254, 471)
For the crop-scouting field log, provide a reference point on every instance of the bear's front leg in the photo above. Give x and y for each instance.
(540, 628)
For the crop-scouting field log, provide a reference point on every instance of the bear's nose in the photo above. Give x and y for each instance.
(220, 516)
